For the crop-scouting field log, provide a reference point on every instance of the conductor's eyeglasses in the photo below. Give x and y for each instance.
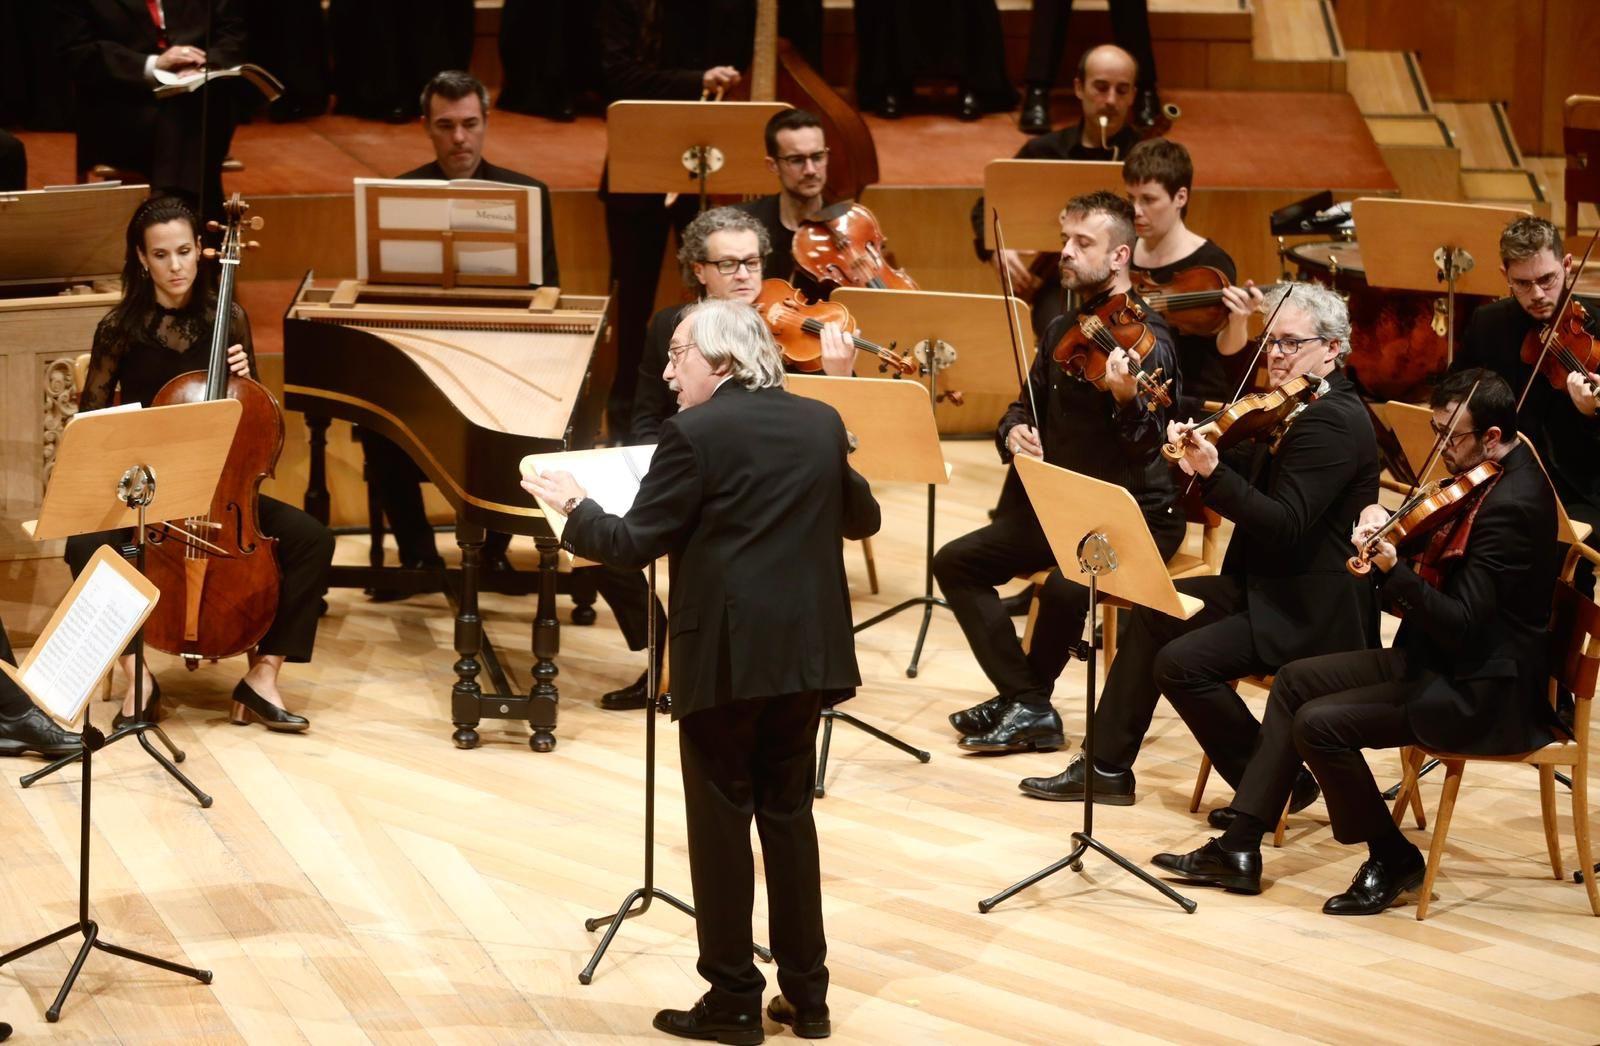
(676, 353)
(798, 161)
(1290, 346)
(729, 266)
(1546, 283)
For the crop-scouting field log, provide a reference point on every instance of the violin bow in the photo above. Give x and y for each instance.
(1018, 353)
(1439, 443)
(1551, 335)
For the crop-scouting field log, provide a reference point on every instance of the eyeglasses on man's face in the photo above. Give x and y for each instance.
(799, 161)
(1545, 283)
(1290, 346)
(676, 353)
(729, 266)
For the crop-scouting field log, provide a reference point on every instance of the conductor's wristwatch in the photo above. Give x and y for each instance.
(571, 506)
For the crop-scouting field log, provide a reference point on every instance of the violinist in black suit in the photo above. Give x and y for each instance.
(761, 640)
(1467, 671)
(118, 51)
(1283, 592)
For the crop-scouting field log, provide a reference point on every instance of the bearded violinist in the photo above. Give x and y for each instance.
(1107, 433)
(1283, 593)
(797, 153)
(1560, 421)
(1466, 672)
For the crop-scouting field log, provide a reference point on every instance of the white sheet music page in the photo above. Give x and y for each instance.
(62, 672)
(610, 475)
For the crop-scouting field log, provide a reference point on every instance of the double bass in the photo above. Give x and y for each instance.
(219, 591)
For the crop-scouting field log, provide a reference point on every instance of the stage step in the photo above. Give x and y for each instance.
(1551, 174)
(1388, 83)
(1483, 132)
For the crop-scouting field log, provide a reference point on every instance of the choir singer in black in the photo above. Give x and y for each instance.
(749, 494)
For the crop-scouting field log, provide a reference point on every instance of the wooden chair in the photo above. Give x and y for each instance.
(1574, 664)
(1580, 137)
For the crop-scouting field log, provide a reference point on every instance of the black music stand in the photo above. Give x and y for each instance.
(1098, 527)
(105, 479)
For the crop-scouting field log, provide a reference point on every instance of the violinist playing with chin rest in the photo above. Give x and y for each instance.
(1467, 671)
(1283, 592)
(1105, 418)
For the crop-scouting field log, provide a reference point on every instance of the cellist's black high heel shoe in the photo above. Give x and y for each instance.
(149, 714)
(247, 704)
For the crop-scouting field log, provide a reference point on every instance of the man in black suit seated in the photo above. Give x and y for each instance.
(1283, 593)
(761, 641)
(13, 162)
(1467, 671)
(118, 51)
(797, 152)
(455, 110)
(1111, 431)
(23, 726)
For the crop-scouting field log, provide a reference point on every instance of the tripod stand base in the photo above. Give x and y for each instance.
(828, 716)
(91, 940)
(927, 603)
(138, 730)
(1074, 860)
(613, 923)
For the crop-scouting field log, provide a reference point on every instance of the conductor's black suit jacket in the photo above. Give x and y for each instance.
(106, 42)
(749, 495)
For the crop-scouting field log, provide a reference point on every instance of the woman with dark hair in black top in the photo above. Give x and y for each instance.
(162, 329)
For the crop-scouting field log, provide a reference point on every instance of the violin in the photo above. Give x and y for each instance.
(847, 249)
(1085, 348)
(219, 593)
(1191, 302)
(1256, 415)
(1425, 511)
(796, 326)
(1571, 348)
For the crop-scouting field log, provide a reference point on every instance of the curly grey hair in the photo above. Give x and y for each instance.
(718, 219)
(731, 335)
(1328, 313)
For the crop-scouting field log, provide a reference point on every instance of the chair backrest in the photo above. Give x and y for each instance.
(1580, 138)
(1574, 642)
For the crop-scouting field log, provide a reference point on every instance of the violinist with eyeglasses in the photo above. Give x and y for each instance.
(1467, 671)
(1283, 591)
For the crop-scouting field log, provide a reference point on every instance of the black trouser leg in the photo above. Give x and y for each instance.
(305, 553)
(176, 159)
(1047, 38)
(636, 233)
(627, 593)
(1063, 608)
(13, 702)
(1130, 27)
(397, 481)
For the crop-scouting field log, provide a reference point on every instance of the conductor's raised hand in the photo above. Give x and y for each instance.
(838, 352)
(238, 362)
(554, 487)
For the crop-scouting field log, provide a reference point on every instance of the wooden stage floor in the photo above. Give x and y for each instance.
(368, 882)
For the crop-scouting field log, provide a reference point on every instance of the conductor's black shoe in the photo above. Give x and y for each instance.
(636, 695)
(1211, 864)
(33, 731)
(1035, 111)
(1112, 789)
(1020, 728)
(1305, 793)
(702, 1022)
(1377, 887)
(812, 1024)
(979, 719)
(971, 108)
(149, 714)
(1147, 109)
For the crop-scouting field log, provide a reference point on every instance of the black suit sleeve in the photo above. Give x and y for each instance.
(1021, 410)
(666, 506)
(628, 74)
(862, 517)
(1314, 467)
(1144, 430)
(90, 58)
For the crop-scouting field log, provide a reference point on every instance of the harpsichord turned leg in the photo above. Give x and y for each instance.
(465, 694)
(546, 644)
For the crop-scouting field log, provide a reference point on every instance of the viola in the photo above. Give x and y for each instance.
(796, 326)
(1084, 350)
(1572, 349)
(845, 247)
(220, 594)
(1425, 511)
(1256, 415)
(1191, 301)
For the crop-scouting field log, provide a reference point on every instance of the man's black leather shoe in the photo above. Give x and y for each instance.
(1035, 111)
(33, 731)
(629, 697)
(1021, 728)
(1147, 109)
(812, 1024)
(979, 719)
(1236, 872)
(1114, 789)
(1305, 793)
(1377, 887)
(702, 1022)
(889, 108)
(971, 108)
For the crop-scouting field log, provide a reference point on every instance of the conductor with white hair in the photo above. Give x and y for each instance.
(748, 494)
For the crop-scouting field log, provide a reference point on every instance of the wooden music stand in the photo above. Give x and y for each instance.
(1100, 539)
(1415, 245)
(1029, 195)
(655, 147)
(433, 225)
(131, 468)
(896, 442)
(49, 236)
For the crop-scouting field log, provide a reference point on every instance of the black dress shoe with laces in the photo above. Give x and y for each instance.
(1112, 789)
(634, 696)
(971, 108)
(980, 719)
(703, 1022)
(1214, 866)
(889, 108)
(151, 712)
(1035, 111)
(1377, 887)
(1021, 728)
(33, 731)
(1305, 793)
(808, 1024)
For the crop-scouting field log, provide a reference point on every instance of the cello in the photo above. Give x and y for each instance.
(219, 593)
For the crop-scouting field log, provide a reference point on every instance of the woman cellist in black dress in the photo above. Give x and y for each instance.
(162, 328)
